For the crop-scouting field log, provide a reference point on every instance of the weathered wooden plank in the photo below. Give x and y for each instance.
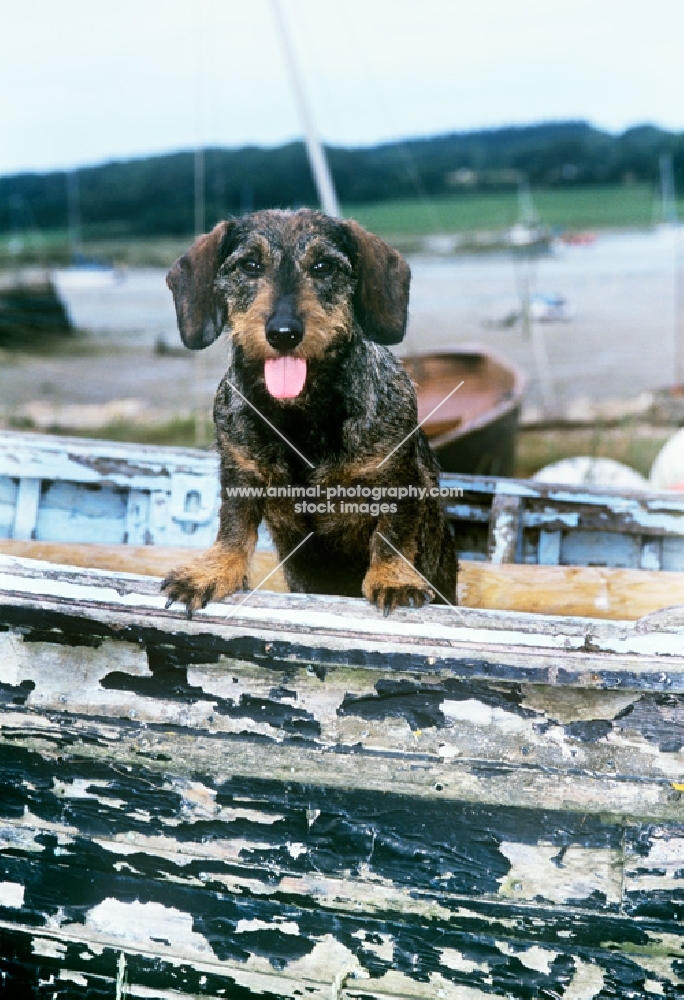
(428, 963)
(504, 528)
(437, 727)
(241, 915)
(595, 592)
(425, 777)
(101, 491)
(418, 725)
(80, 460)
(135, 466)
(258, 853)
(295, 796)
(556, 590)
(604, 508)
(143, 560)
(341, 631)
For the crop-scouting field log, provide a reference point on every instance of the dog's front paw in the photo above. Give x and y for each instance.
(394, 584)
(211, 576)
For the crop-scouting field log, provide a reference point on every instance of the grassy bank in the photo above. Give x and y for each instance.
(578, 208)
(633, 443)
(620, 206)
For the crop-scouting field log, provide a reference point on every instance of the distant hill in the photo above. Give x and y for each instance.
(154, 196)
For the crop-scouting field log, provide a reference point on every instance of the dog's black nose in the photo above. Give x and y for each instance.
(284, 329)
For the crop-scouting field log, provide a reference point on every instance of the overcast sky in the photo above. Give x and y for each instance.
(83, 81)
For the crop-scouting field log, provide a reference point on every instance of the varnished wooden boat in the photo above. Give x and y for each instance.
(474, 429)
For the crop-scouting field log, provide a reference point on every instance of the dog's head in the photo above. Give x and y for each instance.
(288, 285)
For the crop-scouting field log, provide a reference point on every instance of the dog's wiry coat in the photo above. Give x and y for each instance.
(326, 296)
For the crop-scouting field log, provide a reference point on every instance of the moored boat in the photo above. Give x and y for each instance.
(472, 429)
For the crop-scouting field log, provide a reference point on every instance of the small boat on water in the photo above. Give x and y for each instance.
(472, 429)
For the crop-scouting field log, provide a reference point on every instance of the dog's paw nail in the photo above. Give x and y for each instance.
(188, 612)
(390, 602)
(168, 603)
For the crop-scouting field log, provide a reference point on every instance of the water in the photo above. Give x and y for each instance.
(619, 343)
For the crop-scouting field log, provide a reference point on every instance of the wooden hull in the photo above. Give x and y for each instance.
(475, 430)
(293, 796)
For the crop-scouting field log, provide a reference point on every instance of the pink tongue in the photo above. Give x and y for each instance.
(285, 376)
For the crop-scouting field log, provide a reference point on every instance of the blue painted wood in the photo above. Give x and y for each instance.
(72, 490)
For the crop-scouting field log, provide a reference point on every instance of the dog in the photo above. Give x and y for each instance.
(312, 400)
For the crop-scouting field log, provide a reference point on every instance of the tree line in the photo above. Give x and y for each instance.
(154, 196)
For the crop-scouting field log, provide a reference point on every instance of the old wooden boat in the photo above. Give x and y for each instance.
(292, 796)
(472, 429)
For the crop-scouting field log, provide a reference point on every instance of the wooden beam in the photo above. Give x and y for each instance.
(586, 591)
(552, 590)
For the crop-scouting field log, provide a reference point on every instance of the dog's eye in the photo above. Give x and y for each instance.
(322, 268)
(251, 266)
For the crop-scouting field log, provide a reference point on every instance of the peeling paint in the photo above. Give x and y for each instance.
(72, 977)
(293, 806)
(80, 788)
(476, 713)
(148, 925)
(11, 894)
(536, 958)
(586, 983)
(452, 959)
(283, 926)
(48, 948)
(561, 876)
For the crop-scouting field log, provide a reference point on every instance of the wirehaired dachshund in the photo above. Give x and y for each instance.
(312, 398)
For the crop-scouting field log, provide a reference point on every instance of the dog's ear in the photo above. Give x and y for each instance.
(382, 289)
(200, 312)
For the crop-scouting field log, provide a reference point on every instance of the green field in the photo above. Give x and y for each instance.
(623, 206)
(578, 208)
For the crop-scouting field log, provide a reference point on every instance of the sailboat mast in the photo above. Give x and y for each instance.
(317, 159)
(73, 188)
(667, 189)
